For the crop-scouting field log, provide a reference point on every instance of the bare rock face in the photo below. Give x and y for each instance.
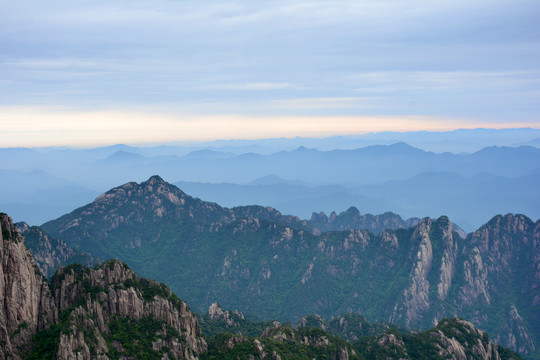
(26, 305)
(215, 312)
(476, 280)
(459, 339)
(515, 335)
(453, 338)
(303, 337)
(415, 298)
(352, 219)
(448, 261)
(505, 254)
(105, 297)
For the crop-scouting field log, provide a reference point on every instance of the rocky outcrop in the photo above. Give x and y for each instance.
(312, 338)
(50, 252)
(452, 338)
(350, 327)
(416, 301)
(87, 313)
(26, 304)
(504, 254)
(215, 312)
(352, 219)
(449, 254)
(476, 280)
(98, 299)
(459, 339)
(515, 334)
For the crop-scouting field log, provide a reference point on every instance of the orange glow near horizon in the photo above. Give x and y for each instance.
(49, 126)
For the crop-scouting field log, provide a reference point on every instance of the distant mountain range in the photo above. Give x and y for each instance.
(469, 201)
(258, 261)
(40, 184)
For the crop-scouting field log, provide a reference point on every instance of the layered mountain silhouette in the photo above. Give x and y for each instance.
(258, 261)
(41, 184)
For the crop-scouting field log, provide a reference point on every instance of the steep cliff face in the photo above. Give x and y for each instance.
(501, 270)
(50, 252)
(26, 304)
(415, 300)
(515, 334)
(101, 313)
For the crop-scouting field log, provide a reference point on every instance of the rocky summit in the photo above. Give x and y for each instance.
(102, 313)
(258, 261)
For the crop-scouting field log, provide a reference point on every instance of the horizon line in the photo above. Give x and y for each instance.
(188, 143)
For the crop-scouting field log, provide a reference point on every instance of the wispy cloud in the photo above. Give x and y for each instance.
(248, 86)
(430, 80)
(458, 59)
(328, 103)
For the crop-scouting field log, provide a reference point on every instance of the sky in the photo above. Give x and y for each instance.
(80, 72)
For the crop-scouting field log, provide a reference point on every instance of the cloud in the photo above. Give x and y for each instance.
(248, 86)
(456, 59)
(430, 80)
(328, 103)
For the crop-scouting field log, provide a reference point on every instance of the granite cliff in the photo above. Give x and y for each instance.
(26, 303)
(102, 313)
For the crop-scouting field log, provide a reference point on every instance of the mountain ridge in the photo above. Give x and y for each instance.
(434, 272)
(108, 312)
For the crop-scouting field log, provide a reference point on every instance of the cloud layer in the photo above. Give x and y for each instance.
(472, 60)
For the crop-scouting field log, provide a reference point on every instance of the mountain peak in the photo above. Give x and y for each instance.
(155, 179)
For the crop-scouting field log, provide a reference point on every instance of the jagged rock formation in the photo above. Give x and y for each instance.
(278, 341)
(245, 256)
(450, 339)
(215, 312)
(109, 311)
(102, 313)
(218, 321)
(352, 219)
(26, 304)
(49, 252)
(350, 327)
